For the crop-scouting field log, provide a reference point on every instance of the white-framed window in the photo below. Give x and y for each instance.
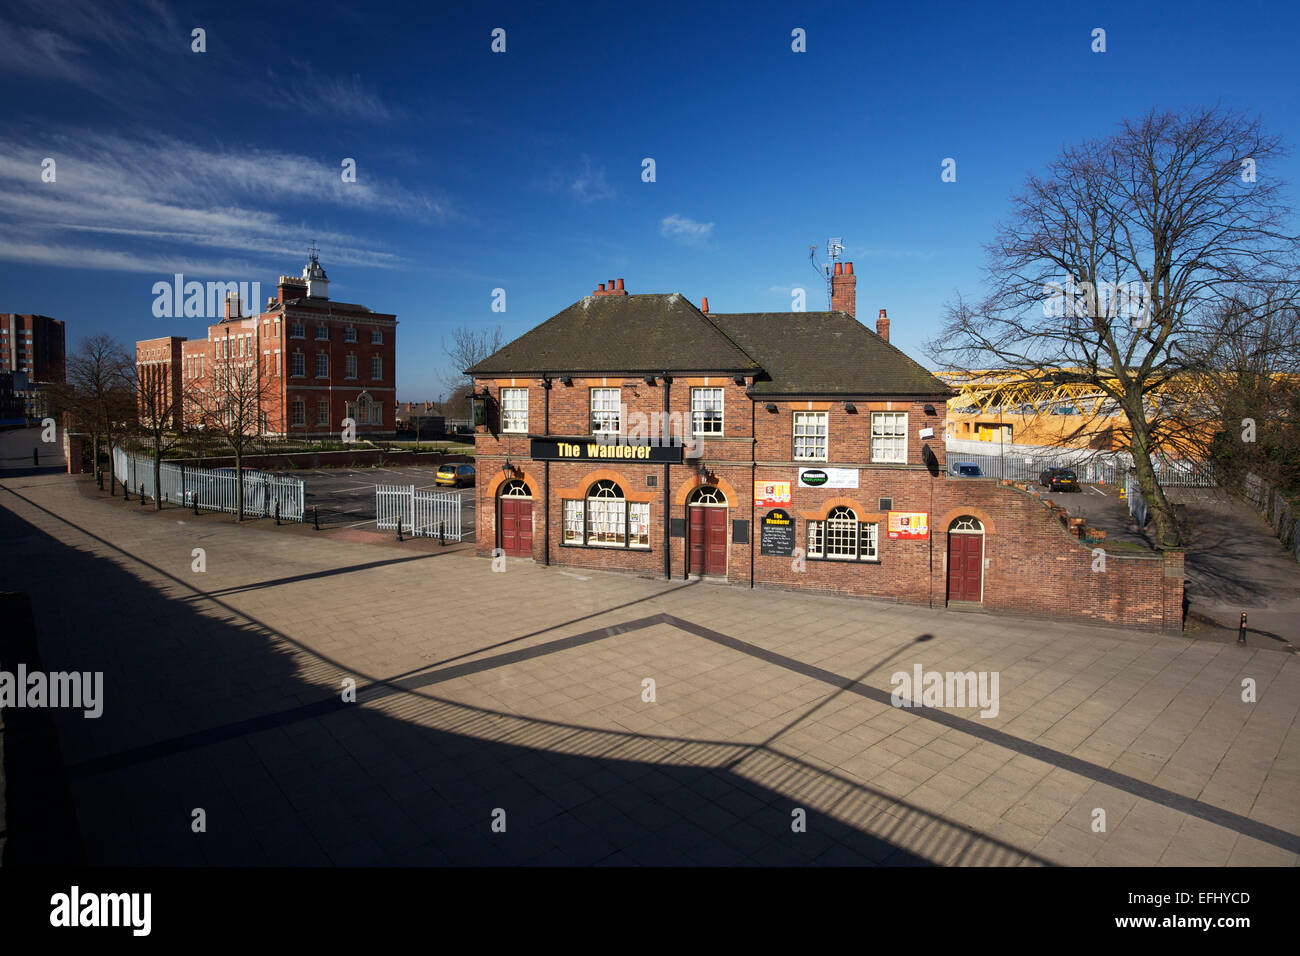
(349, 334)
(810, 436)
(376, 367)
(842, 537)
(604, 410)
(605, 519)
(350, 410)
(377, 413)
(514, 410)
(297, 330)
(322, 412)
(322, 333)
(376, 337)
(350, 366)
(322, 365)
(299, 412)
(298, 364)
(706, 411)
(889, 436)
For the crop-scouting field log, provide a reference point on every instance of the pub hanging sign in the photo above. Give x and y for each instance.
(585, 449)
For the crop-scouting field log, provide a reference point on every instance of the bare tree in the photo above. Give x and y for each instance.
(233, 408)
(161, 407)
(97, 392)
(1110, 261)
(469, 347)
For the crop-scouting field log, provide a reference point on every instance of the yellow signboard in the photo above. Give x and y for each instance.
(909, 524)
(770, 494)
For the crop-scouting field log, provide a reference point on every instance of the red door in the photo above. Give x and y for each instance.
(517, 527)
(965, 567)
(697, 539)
(715, 559)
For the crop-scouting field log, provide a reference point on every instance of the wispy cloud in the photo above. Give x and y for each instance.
(685, 230)
(309, 92)
(148, 203)
(590, 184)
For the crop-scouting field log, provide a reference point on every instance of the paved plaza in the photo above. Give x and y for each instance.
(223, 694)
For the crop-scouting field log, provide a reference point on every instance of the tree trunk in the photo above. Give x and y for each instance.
(1162, 512)
(157, 477)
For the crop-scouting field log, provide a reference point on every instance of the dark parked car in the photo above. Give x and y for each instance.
(966, 469)
(1059, 479)
(454, 474)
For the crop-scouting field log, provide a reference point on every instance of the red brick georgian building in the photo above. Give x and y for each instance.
(797, 450)
(320, 361)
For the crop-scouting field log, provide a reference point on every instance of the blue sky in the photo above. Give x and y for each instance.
(522, 170)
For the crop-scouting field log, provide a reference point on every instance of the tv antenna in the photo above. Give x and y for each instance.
(834, 249)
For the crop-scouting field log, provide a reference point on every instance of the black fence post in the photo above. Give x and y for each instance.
(142, 501)
(399, 529)
(442, 533)
(196, 501)
(315, 518)
(1241, 631)
(277, 514)
(126, 491)
(99, 477)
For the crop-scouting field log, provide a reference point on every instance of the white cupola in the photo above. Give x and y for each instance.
(318, 286)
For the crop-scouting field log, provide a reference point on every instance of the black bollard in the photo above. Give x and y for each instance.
(315, 518)
(99, 477)
(1241, 631)
(399, 529)
(142, 501)
(126, 491)
(196, 501)
(442, 534)
(277, 514)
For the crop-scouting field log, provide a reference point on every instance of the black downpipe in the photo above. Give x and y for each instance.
(668, 553)
(546, 512)
(753, 480)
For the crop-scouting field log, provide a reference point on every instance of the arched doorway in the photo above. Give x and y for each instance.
(966, 560)
(707, 543)
(515, 519)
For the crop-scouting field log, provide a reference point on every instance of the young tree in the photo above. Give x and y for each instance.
(161, 406)
(1110, 261)
(97, 392)
(232, 408)
(469, 347)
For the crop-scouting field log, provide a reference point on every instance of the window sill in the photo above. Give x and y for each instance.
(607, 547)
(844, 560)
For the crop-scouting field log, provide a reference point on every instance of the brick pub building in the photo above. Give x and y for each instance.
(813, 458)
(322, 361)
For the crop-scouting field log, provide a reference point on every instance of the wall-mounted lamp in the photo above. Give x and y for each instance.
(649, 379)
(739, 380)
(566, 380)
(771, 407)
(850, 408)
(929, 409)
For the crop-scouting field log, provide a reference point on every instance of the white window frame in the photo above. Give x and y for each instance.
(514, 412)
(702, 407)
(889, 438)
(322, 412)
(842, 537)
(349, 334)
(325, 356)
(376, 367)
(297, 412)
(298, 365)
(807, 421)
(350, 365)
(297, 330)
(322, 337)
(376, 336)
(604, 519)
(602, 413)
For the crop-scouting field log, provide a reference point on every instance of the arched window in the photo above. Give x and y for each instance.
(708, 495)
(842, 537)
(966, 524)
(515, 489)
(605, 519)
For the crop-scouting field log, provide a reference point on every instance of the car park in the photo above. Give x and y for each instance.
(456, 474)
(1059, 479)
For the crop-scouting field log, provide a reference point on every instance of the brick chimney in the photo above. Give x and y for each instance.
(882, 326)
(233, 310)
(292, 287)
(844, 289)
(612, 288)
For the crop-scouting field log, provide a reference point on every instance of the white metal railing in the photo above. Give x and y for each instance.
(428, 514)
(214, 489)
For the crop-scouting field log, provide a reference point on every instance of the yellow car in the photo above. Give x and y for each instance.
(454, 474)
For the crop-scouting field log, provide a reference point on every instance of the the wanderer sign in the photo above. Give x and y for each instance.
(584, 449)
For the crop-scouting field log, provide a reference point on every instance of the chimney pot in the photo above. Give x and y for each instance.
(704, 305)
(848, 268)
(611, 285)
(602, 288)
(839, 268)
(620, 285)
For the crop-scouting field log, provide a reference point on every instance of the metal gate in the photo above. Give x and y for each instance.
(428, 514)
